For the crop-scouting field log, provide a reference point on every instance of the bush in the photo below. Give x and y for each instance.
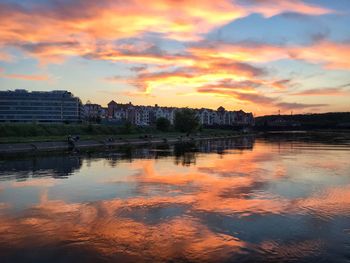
(32, 129)
(186, 120)
(127, 127)
(163, 124)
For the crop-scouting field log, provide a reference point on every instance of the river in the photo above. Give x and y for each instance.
(276, 198)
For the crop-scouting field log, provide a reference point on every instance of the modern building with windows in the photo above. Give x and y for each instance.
(40, 106)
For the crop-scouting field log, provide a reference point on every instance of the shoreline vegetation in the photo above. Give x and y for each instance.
(185, 122)
(165, 139)
(26, 137)
(315, 121)
(27, 133)
(56, 146)
(21, 138)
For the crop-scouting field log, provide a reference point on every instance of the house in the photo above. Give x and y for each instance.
(92, 112)
(148, 115)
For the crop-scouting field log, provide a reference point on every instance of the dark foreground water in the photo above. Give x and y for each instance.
(274, 199)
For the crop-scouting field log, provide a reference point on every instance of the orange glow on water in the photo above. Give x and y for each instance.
(170, 208)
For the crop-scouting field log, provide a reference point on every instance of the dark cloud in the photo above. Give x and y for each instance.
(231, 85)
(240, 67)
(336, 91)
(320, 36)
(42, 46)
(298, 106)
(138, 69)
(256, 98)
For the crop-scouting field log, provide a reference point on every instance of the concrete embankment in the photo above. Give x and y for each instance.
(14, 148)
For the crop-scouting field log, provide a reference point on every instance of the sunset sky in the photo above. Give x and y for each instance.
(261, 56)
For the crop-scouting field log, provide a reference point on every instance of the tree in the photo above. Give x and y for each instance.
(163, 124)
(127, 127)
(186, 120)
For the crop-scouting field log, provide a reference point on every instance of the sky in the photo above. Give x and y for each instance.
(261, 56)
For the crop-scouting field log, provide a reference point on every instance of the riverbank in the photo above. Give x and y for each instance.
(33, 133)
(107, 143)
(330, 120)
(22, 130)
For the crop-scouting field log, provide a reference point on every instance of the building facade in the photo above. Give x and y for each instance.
(93, 112)
(39, 106)
(62, 106)
(148, 115)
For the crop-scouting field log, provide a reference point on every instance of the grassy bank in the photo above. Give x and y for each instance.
(33, 130)
(20, 133)
(331, 120)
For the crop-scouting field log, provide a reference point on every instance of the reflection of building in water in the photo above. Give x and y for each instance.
(52, 166)
(244, 142)
(185, 153)
(65, 165)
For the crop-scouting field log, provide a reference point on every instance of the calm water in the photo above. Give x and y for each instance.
(275, 199)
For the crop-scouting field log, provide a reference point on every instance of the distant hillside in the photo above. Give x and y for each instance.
(329, 120)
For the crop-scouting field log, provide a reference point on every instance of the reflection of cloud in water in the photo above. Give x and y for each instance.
(327, 204)
(100, 227)
(295, 251)
(37, 182)
(110, 227)
(171, 211)
(4, 205)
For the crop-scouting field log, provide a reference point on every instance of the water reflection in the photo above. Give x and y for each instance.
(226, 200)
(55, 166)
(60, 166)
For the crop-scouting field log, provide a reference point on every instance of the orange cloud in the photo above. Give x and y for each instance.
(337, 54)
(5, 57)
(250, 95)
(322, 92)
(217, 69)
(25, 77)
(114, 20)
(223, 70)
(91, 23)
(281, 84)
(100, 30)
(115, 55)
(271, 8)
(239, 52)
